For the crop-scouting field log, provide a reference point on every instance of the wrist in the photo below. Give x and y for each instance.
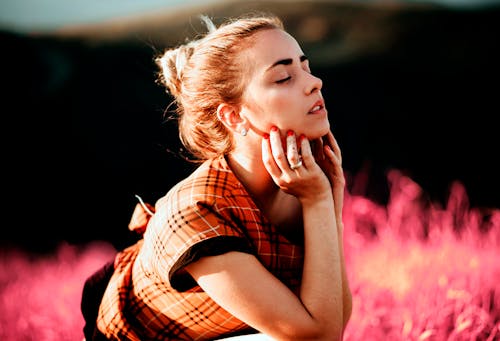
(318, 201)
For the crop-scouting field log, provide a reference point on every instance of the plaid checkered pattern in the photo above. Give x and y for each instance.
(151, 297)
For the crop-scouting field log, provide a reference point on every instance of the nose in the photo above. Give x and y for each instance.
(313, 84)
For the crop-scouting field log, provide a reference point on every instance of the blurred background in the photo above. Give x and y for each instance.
(409, 85)
(411, 88)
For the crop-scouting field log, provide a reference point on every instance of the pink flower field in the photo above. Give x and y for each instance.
(418, 271)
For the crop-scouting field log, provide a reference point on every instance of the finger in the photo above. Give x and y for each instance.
(334, 159)
(292, 150)
(317, 149)
(332, 142)
(277, 149)
(306, 152)
(267, 157)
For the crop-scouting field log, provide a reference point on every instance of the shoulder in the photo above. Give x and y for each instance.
(212, 183)
(210, 199)
(195, 218)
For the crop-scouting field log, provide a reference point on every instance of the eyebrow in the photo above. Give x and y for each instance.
(287, 61)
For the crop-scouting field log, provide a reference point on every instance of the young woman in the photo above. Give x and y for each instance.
(251, 241)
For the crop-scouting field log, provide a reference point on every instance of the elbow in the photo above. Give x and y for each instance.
(347, 309)
(330, 327)
(332, 331)
(327, 336)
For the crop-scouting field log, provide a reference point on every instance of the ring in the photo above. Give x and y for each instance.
(297, 165)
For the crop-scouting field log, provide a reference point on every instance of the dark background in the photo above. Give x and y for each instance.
(408, 87)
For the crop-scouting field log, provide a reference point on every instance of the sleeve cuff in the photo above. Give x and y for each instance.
(180, 280)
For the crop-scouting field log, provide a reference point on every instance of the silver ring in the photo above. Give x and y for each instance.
(297, 165)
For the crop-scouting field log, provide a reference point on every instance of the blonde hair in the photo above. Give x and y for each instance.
(205, 72)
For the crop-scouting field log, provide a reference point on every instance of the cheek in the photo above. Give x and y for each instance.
(276, 107)
(255, 112)
(279, 100)
(269, 107)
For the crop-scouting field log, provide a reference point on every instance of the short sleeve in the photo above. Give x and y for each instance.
(182, 231)
(181, 280)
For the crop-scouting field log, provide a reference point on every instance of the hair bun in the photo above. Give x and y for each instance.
(172, 64)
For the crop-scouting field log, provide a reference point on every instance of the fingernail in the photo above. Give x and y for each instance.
(265, 136)
(274, 128)
(290, 133)
(301, 137)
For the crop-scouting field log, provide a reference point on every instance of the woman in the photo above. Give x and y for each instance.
(251, 241)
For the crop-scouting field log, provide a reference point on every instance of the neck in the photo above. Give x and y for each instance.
(250, 170)
(280, 208)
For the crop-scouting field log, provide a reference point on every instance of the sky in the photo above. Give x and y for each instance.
(42, 15)
(46, 15)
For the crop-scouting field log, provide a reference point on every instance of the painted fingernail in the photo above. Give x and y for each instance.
(290, 133)
(265, 136)
(301, 138)
(274, 128)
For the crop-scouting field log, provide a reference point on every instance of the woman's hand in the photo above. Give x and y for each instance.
(294, 171)
(239, 282)
(327, 154)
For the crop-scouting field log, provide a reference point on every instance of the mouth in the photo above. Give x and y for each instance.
(318, 106)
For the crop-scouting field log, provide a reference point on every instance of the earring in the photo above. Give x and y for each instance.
(244, 132)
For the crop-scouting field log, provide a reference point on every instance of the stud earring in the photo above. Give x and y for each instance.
(244, 132)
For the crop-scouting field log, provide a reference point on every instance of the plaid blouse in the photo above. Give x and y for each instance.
(151, 297)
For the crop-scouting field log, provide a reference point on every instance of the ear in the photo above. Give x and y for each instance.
(229, 115)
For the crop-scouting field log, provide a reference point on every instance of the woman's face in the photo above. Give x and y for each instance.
(282, 91)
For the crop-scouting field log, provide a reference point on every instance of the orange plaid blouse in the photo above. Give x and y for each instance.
(151, 297)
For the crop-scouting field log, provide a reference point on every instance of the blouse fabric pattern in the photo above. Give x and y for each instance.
(151, 297)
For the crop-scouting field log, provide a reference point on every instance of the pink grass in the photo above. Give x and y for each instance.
(418, 271)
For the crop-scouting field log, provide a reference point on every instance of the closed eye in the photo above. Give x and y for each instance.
(284, 80)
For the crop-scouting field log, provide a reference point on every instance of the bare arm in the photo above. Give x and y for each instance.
(241, 284)
(329, 157)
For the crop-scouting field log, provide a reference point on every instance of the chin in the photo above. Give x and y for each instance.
(318, 131)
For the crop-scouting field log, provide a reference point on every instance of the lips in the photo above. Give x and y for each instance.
(319, 105)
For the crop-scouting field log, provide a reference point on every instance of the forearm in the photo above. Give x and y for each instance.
(346, 291)
(322, 282)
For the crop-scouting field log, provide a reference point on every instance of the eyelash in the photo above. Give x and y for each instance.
(284, 80)
(281, 81)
